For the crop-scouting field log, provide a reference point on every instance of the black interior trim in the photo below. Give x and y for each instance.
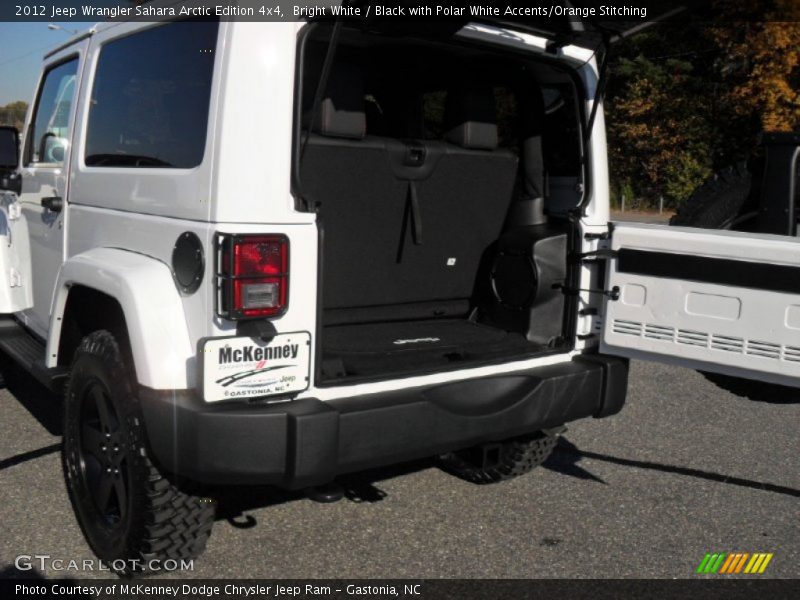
(399, 151)
(720, 271)
(302, 204)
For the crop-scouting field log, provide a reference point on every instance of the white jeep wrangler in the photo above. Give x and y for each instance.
(274, 253)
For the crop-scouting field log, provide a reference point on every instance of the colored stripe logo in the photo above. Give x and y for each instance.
(733, 563)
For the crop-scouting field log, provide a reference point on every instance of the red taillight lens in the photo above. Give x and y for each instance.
(253, 275)
(260, 256)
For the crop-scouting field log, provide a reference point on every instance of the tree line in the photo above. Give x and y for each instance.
(685, 100)
(14, 114)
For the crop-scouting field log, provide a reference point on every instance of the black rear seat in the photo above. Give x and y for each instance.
(465, 200)
(379, 249)
(347, 173)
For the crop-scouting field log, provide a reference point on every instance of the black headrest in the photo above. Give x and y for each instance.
(470, 119)
(341, 112)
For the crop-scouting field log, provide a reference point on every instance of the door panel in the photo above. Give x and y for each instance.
(45, 161)
(720, 301)
(15, 261)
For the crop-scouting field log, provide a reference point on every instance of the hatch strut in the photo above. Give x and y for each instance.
(322, 84)
(609, 38)
(600, 88)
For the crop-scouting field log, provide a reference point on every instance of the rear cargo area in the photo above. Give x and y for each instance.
(441, 174)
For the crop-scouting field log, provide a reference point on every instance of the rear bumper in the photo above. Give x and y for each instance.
(306, 442)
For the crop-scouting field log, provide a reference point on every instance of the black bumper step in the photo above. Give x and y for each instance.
(28, 351)
(307, 442)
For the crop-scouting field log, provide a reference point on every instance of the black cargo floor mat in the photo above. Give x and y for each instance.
(376, 348)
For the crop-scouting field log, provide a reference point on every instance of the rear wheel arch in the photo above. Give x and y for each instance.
(135, 297)
(87, 310)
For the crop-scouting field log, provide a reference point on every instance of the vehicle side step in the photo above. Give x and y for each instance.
(28, 351)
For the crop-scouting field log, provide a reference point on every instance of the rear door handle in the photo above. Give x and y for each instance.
(54, 203)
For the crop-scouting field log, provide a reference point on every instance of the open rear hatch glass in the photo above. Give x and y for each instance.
(578, 22)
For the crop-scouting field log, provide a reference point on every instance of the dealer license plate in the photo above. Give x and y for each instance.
(244, 367)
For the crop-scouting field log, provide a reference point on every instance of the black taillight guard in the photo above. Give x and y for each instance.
(225, 278)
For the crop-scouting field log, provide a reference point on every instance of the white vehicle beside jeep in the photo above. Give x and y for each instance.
(275, 253)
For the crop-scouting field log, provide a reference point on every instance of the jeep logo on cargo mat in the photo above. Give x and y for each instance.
(256, 353)
(426, 340)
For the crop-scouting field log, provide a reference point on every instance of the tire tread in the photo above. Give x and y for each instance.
(172, 521)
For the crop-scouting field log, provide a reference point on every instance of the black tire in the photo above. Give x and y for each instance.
(130, 512)
(725, 201)
(728, 201)
(754, 390)
(517, 456)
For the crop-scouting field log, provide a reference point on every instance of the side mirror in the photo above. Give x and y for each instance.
(10, 180)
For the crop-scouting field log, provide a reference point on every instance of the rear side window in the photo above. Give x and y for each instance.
(151, 95)
(506, 112)
(433, 114)
(561, 135)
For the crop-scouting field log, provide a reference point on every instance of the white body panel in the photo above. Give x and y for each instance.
(46, 228)
(253, 155)
(732, 329)
(162, 350)
(155, 237)
(16, 289)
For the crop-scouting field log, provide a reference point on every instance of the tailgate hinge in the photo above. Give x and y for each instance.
(612, 294)
(599, 254)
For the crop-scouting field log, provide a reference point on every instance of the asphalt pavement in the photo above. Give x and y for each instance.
(684, 470)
